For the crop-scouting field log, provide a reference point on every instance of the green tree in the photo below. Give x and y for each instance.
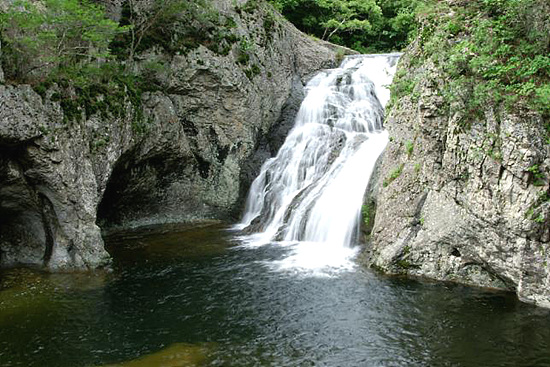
(39, 37)
(145, 23)
(364, 25)
(349, 16)
(397, 27)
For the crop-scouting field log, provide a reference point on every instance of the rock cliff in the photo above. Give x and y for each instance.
(190, 157)
(462, 198)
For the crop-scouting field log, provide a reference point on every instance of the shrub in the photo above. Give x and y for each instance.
(409, 146)
(394, 174)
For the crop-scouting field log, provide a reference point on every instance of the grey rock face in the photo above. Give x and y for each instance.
(471, 202)
(202, 140)
(47, 189)
(21, 115)
(2, 79)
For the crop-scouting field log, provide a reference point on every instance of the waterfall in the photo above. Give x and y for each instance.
(311, 191)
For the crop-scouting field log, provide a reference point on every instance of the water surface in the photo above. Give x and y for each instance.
(179, 297)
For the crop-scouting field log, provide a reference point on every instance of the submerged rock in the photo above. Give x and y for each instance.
(176, 355)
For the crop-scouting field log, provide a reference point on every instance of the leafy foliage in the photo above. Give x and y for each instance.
(64, 46)
(394, 174)
(365, 25)
(493, 51)
(40, 37)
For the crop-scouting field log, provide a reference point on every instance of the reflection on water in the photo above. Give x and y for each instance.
(194, 297)
(28, 293)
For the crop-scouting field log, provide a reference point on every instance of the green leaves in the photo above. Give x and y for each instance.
(42, 36)
(493, 51)
(349, 15)
(365, 25)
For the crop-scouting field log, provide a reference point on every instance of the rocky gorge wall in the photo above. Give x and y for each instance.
(461, 198)
(201, 141)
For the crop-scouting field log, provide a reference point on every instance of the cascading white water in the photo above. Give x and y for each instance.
(310, 194)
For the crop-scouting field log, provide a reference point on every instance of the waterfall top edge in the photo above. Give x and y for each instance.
(392, 54)
(364, 56)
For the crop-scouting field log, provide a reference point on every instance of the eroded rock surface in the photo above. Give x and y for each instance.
(463, 199)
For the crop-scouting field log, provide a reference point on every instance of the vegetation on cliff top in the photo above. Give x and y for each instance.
(492, 53)
(92, 60)
(41, 38)
(68, 43)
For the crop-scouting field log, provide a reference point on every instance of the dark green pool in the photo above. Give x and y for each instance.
(186, 298)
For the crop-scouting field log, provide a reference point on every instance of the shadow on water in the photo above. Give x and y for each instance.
(167, 243)
(193, 297)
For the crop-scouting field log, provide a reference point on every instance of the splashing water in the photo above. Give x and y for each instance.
(309, 196)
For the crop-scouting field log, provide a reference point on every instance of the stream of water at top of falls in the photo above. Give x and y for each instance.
(310, 194)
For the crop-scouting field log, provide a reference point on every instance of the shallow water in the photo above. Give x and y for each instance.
(181, 297)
